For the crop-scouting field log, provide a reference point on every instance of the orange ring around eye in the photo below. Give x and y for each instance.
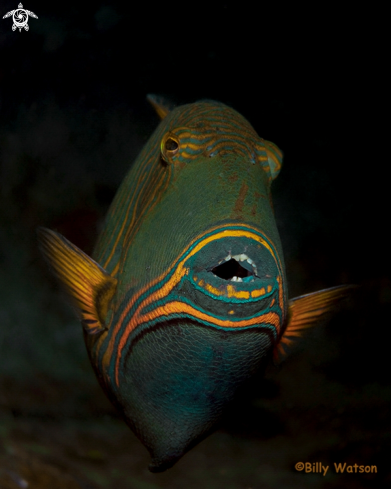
(169, 146)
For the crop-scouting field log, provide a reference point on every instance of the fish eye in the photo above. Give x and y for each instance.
(169, 146)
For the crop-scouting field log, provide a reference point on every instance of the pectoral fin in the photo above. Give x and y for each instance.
(305, 311)
(88, 284)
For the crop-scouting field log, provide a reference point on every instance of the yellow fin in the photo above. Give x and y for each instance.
(161, 106)
(305, 311)
(89, 285)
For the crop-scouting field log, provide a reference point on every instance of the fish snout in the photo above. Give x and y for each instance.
(235, 276)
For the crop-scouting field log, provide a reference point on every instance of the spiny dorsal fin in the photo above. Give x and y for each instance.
(305, 311)
(161, 106)
(89, 285)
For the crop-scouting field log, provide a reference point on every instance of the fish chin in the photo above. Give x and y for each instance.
(178, 378)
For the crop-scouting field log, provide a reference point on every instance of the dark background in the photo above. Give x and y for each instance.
(73, 118)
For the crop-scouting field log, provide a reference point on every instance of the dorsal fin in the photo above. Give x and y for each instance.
(88, 284)
(305, 311)
(161, 106)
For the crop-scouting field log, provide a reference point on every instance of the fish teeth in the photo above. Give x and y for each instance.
(236, 279)
(240, 257)
(243, 257)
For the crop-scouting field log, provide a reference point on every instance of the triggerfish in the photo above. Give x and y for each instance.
(185, 298)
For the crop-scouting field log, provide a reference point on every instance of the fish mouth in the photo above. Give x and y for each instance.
(236, 268)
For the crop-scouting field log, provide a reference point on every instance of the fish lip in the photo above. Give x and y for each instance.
(245, 249)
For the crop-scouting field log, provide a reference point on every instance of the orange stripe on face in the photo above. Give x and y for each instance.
(178, 307)
(221, 234)
(168, 286)
(258, 292)
(165, 290)
(188, 156)
(240, 294)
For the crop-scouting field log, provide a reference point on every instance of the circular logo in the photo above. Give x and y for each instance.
(20, 18)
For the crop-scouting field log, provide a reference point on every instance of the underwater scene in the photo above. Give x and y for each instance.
(194, 271)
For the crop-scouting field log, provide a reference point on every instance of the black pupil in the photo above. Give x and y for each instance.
(229, 269)
(171, 144)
